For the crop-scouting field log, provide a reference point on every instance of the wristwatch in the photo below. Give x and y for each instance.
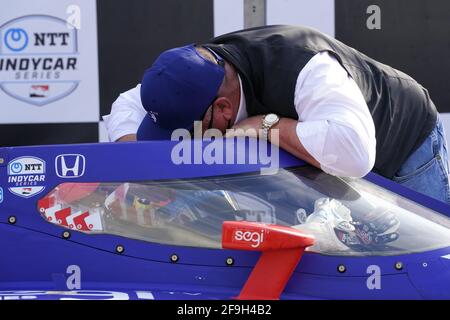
(268, 122)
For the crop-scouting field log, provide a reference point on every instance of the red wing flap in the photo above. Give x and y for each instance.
(80, 223)
(271, 274)
(282, 249)
(45, 203)
(61, 216)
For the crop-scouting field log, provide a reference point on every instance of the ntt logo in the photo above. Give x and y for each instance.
(38, 59)
(16, 39)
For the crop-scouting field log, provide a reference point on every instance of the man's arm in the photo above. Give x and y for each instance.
(287, 136)
(345, 155)
(127, 138)
(126, 116)
(335, 131)
(289, 141)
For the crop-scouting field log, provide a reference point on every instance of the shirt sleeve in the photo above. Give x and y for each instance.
(335, 125)
(126, 114)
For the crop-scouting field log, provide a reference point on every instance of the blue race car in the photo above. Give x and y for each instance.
(126, 221)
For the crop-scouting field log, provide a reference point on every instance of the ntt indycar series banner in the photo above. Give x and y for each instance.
(49, 62)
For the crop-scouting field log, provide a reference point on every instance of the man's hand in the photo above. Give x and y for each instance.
(127, 138)
(248, 127)
(286, 129)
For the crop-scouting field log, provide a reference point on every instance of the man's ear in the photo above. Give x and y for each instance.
(224, 106)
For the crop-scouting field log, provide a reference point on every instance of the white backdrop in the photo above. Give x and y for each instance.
(48, 69)
(229, 14)
(315, 14)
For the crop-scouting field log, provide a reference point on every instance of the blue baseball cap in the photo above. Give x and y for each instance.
(176, 91)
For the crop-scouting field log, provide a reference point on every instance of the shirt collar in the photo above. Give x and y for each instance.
(242, 111)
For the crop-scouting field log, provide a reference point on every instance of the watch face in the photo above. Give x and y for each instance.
(271, 118)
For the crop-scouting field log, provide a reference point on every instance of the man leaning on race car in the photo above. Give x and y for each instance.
(335, 108)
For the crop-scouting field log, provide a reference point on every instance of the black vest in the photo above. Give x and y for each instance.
(269, 60)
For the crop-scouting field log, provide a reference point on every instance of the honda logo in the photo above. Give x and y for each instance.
(70, 165)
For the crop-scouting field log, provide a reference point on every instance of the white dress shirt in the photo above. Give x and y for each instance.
(126, 114)
(335, 125)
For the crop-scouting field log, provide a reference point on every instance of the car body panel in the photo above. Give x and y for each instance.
(36, 257)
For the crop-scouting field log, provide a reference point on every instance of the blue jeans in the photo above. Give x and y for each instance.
(426, 170)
